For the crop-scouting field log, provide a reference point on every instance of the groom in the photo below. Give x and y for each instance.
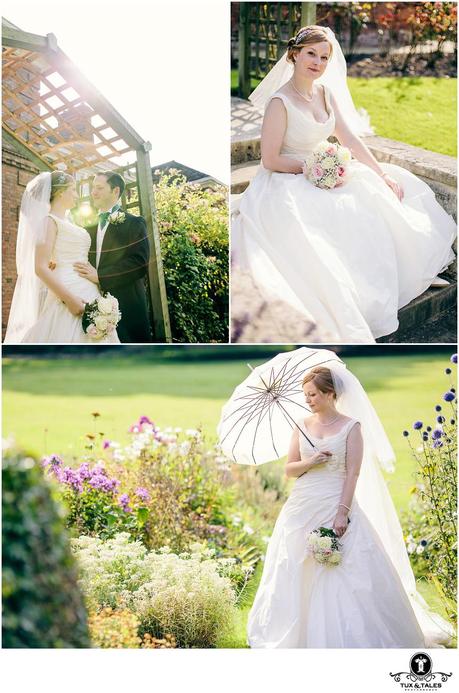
(118, 257)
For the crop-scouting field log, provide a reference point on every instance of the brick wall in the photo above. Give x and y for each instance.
(16, 173)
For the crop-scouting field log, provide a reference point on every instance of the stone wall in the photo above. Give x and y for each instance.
(16, 173)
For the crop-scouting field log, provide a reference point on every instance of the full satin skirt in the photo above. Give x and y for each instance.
(348, 258)
(300, 603)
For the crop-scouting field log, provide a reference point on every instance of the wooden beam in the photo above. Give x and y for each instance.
(308, 13)
(15, 38)
(23, 149)
(64, 66)
(161, 322)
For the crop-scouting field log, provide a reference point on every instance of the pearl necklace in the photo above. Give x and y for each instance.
(330, 422)
(299, 92)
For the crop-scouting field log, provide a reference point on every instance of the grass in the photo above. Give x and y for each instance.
(420, 111)
(58, 396)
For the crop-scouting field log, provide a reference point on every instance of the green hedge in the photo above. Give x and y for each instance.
(42, 604)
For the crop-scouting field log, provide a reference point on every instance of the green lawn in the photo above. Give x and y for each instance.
(417, 110)
(47, 404)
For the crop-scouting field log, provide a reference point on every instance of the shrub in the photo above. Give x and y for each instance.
(118, 628)
(432, 524)
(42, 605)
(193, 224)
(188, 596)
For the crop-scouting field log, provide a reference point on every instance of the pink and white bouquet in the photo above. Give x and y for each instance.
(324, 546)
(326, 167)
(101, 317)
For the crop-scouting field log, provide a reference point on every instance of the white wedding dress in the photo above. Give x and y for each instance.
(360, 603)
(56, 324)
(347, 259)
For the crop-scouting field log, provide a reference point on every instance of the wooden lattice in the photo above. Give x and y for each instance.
(47, 114)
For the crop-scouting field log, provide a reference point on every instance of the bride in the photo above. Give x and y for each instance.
(370, 599)
(49, 296)
(348, 258)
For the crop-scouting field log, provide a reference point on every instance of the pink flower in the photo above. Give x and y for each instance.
(92, 330)
(317, 171)
(341, 170)
(331, 150)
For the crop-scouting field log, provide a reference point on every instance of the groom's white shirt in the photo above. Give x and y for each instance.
(101, 235)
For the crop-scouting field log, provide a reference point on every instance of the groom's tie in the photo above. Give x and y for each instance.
(103, 216)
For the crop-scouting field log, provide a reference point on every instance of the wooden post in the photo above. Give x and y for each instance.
(244, 51)
(308, 13)
(161, 323)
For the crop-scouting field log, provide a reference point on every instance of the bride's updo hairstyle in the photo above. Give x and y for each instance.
(305, 36)
(60, 181)
(322, 379)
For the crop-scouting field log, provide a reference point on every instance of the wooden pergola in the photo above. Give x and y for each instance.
(57, 119)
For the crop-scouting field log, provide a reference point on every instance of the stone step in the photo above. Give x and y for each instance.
(242, 174)
(431, 317)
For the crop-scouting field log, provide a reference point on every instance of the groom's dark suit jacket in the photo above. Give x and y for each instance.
(122, 268)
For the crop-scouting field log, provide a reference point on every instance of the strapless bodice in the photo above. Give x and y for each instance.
(336, 444)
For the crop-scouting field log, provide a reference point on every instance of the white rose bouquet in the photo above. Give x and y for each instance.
(101, 317)
(324, 546)
(326, 167)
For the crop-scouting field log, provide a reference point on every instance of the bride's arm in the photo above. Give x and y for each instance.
(272, 135)
(296, 465)
(359, 150)
(354, 454)
(43, 252)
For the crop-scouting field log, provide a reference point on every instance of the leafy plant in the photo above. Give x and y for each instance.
(42, 604)
(432, 524)
(193, 224)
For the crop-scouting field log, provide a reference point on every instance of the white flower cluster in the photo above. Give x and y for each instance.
(104, 315)
(326, 167)
(187, 595)
(324, 549)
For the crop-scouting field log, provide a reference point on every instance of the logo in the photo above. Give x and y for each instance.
(420, 676)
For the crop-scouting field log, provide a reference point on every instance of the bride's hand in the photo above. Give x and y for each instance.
(318, 458)
(75, 305)
(394, 186)
(340, 523)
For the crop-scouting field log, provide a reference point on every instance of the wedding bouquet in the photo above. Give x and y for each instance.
(326, 167)
(101, 317)
(324, 546)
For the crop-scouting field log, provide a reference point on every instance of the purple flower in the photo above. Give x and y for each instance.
(124, 502)
(437, 433)
(70, 477)
(106, 444)
(145, 419)
(453, 358)
(143, 494)
(438, 444)
(417, 425)
(441, 419)
(84, 472)
(449, 396)
(437, 408)
(52, 461)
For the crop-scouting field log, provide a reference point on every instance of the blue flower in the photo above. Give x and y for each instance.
(437, 434)
(441, 419)
(423, 542)
(429, 428)
(405, 433)
(449, 396)
(425, 436)
(438, 444)
(452, 421)
(437, 408)
(417, 425)
(453, 358)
